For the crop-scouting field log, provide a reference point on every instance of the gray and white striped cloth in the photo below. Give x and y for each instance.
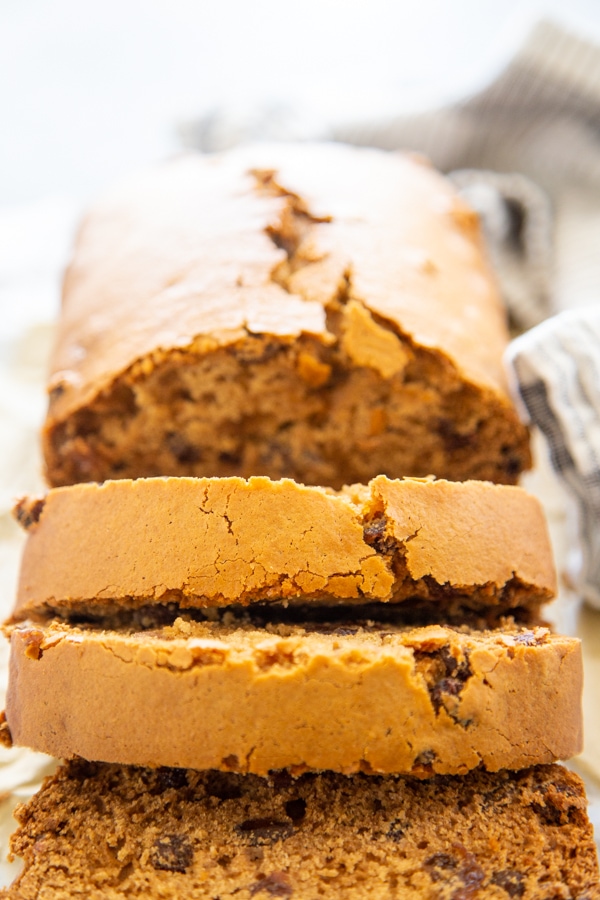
(557, 365)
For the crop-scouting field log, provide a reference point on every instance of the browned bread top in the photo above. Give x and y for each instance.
(216, 542)
(188, 245)
(221, 315)
(105, 831)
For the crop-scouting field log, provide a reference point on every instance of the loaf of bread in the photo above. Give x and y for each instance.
(92, 548)
(230, 695)
(102, 831)
(315, 311)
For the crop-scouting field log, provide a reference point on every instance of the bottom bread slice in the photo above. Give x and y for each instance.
(96, 830)
(372, 698)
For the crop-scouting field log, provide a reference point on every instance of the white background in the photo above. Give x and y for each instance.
(89, 89)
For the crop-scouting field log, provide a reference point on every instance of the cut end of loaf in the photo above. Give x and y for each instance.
(303, 410)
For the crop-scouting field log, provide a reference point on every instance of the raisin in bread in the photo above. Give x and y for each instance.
(315, 311)
(102, 831)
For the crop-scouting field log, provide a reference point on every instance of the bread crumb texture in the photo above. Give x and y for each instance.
(318, 312)
(235, 697)
(105, 831)
(214, 542)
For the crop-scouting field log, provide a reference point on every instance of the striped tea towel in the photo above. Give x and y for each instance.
(557, 365)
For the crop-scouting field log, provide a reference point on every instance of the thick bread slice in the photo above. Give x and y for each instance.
(236, 697)
(214, 542)
(317, 312)
(99, 831)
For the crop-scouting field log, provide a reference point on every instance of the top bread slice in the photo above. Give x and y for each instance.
(318, 312)
(447, 546)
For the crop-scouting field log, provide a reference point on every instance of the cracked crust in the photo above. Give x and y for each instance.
(278, 285)
(216, 542)
(226, 695)
(100, 831)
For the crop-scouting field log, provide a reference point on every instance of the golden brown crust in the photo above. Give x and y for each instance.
(214, 542)
(376, 699)
(371, 254)
(206, 221)
(111, 832)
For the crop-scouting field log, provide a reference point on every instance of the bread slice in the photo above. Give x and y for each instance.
(317, 312)
(105, 831)
(233, 696)
(214, 542)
